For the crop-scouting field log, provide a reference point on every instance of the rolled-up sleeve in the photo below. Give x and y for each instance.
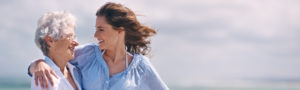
(28, 69)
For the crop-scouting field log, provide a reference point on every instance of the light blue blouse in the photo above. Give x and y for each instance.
(139, 75)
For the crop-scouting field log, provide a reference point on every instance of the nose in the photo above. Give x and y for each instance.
(75, 43)
(96, 34)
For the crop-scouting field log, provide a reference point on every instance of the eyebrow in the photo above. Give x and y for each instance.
(99, 27)
(69, 34)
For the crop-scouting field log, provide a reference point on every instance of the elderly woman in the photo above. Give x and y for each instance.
(55, 37)
(117, 62)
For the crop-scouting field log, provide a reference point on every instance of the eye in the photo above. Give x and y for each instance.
(71, 37)
(99, 29)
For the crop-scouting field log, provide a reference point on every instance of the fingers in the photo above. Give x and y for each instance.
(43, 74)
(35, 78)
(53, 73)
(40, 79)
(49, 77)
(45, 81)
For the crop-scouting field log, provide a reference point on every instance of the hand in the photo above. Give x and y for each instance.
(42, 73)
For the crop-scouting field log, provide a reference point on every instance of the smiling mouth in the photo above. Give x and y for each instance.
(100, 41)
(71, 49)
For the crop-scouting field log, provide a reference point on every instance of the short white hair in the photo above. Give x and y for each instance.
(52, 24)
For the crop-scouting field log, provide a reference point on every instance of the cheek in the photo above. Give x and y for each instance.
(63, 45)
(109, 38)
(113, 41)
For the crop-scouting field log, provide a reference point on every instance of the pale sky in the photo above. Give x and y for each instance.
(199, 42)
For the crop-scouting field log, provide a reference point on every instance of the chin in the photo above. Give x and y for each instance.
(101, 47)
(70, 56)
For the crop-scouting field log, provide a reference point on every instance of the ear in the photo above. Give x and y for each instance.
(49, 40)
(121, 30)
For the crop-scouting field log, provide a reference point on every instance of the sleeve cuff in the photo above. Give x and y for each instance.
(28, 70)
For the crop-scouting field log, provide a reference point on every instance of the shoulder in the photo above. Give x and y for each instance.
(147, 67)
(143, 65)
(144, 62)
(150, 77)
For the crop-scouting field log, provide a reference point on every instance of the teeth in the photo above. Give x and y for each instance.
(71, 48)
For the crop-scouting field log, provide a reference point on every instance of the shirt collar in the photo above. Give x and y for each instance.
(51, 64)
(55, 67)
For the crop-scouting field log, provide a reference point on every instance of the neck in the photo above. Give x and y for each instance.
(59, 61)
(116, 54)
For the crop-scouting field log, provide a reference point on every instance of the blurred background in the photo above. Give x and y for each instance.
(200, 45)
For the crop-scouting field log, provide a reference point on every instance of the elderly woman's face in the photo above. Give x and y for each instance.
(107, 36)
(65, 46)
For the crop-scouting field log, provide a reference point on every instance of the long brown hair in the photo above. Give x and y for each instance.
(136, 37)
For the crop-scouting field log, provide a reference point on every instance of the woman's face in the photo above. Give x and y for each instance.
(107, 36)
(65, 46)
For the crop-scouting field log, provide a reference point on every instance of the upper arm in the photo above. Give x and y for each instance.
(83, 55)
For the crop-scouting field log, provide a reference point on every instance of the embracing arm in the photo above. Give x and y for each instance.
(42, 73)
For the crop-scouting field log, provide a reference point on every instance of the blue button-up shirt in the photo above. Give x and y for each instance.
(139, 75)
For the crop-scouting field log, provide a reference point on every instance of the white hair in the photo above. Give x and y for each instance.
(52, 24)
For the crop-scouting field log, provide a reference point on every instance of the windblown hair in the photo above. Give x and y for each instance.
(136, 37)
(52, 24)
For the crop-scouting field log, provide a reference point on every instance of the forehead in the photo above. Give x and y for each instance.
(101, 22)
(68, 30)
